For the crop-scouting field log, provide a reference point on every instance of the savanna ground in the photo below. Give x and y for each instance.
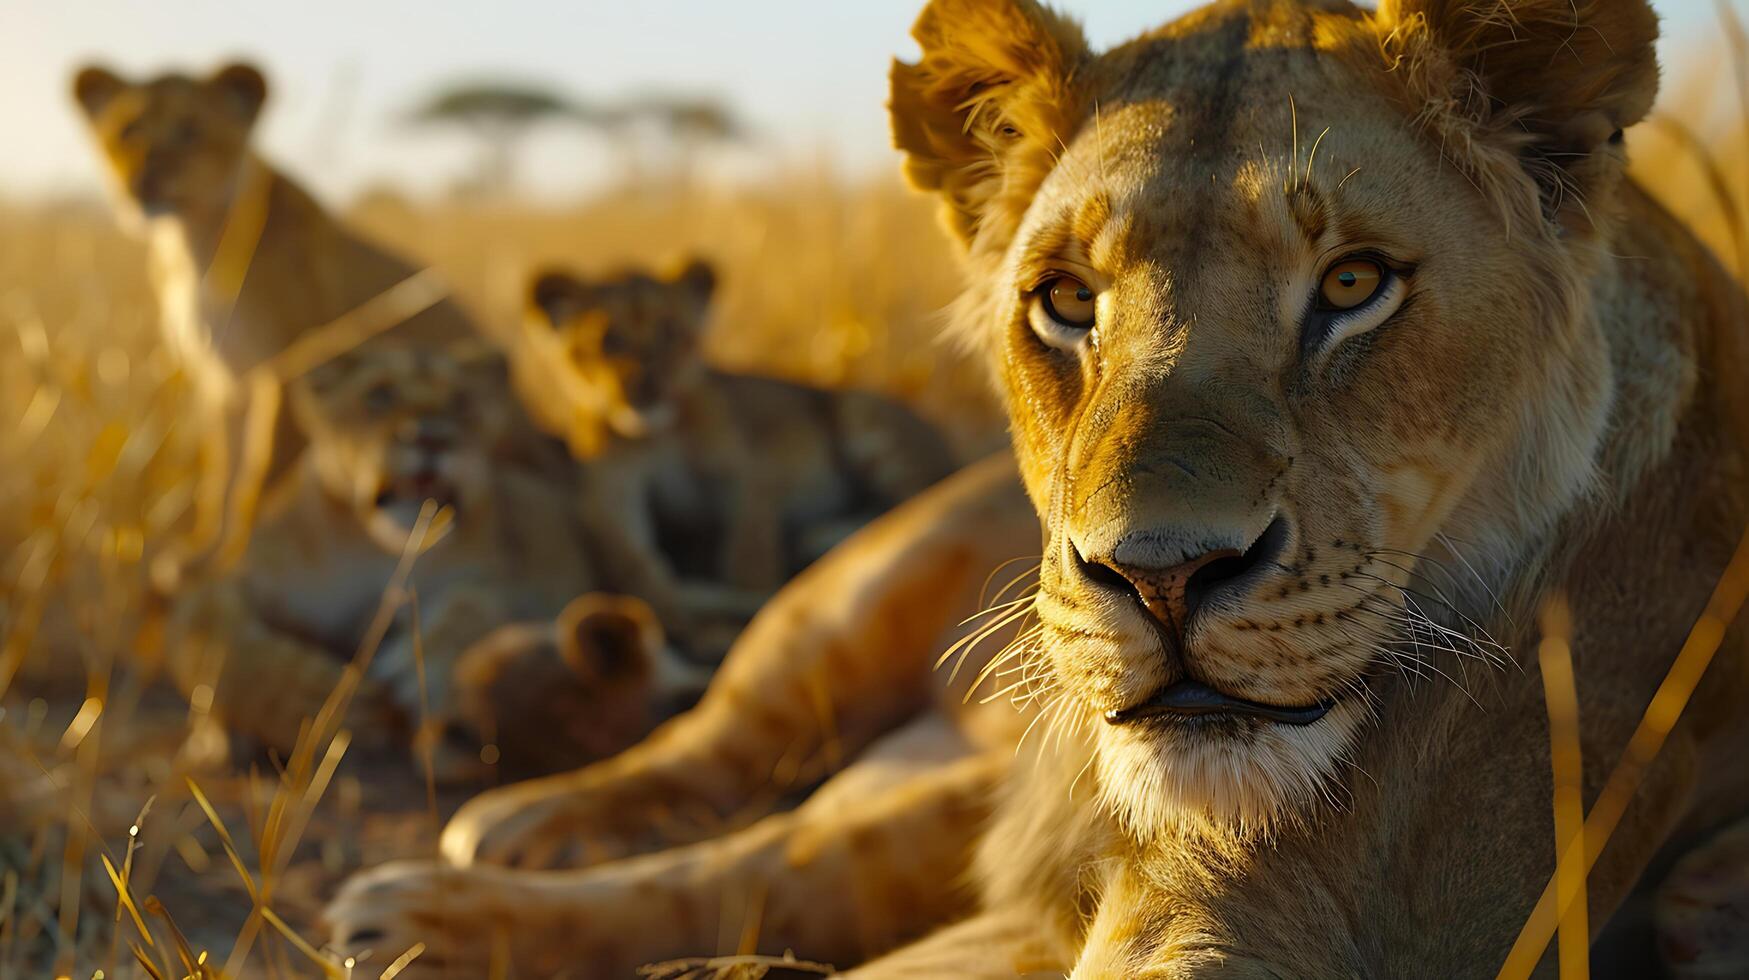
(111, 786)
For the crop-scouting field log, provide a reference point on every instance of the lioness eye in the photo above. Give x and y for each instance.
(1069, 302)
(1062, 312)
(1350, 283)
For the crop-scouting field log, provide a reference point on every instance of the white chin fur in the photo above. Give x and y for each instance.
(1153, 779)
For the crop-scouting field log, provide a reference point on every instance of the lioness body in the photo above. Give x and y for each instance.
(1336, 345)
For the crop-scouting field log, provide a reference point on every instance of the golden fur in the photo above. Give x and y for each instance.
(1542, 401)
(752, 476)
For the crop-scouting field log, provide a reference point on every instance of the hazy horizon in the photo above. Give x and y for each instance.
(809, 78)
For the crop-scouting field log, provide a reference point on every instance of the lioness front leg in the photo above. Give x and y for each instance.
(868, 862)
(838, 657)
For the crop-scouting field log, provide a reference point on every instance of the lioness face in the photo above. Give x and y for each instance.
(1270, 357)
(173, 144)
(629, 345)
(392, 428)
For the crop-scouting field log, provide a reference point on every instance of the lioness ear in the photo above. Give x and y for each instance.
(243, 87)
(94, 87)
(981, 115)
(555, 297)
(699, 279)
(606, 637)
(1561, 79)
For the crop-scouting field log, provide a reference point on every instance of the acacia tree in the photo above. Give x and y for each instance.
(500, 116)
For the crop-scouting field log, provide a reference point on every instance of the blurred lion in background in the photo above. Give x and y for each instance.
(696, 474)
(245, 264)
(409, 456)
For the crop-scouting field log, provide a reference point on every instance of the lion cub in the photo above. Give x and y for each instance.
(403, 439)
(243, 261)
(695, 471)
(553, 695)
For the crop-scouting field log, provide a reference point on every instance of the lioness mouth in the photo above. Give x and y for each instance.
(1193, 699)
(416, 488)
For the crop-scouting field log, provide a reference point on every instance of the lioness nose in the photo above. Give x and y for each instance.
(1171, 594)
(1171, 590)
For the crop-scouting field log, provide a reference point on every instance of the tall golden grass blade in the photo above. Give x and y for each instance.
(259, 420)
(401, 962)
(300, 819)
(193, 964)
(389, 308)
(328, 967)
(126, 901)
(1561, 695)
(225, 840)
(145, 963)
(1643, 746)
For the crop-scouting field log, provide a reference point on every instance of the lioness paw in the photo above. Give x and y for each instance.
(529, 825)
(449, 920)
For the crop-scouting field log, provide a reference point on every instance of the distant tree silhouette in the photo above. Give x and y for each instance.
(654, 131)
(500, 116)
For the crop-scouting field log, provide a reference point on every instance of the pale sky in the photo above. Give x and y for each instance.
(809, 75)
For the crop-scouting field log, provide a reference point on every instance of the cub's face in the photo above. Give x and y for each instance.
(625, 347)
(1291, 384)
(392, 427)
(173, 144)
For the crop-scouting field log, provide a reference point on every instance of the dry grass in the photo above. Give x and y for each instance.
(822, 280)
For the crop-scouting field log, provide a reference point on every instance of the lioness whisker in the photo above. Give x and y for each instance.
(1442, 598)
(1451, 545)
(1485, 649)
(965, 645)
(984, 596)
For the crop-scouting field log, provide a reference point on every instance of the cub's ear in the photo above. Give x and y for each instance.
(1559, 79)
(982, 114)
(554, 297)
(699, 279)
(606, 637)
(244, 89)
(94, 86)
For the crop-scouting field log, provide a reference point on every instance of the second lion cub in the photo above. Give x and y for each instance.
(696, 471)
